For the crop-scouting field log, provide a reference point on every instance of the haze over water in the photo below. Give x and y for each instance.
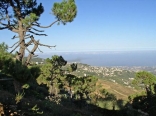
(109, 58)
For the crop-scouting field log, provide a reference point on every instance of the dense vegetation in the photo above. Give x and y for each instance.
(52, 88)
(47, 88)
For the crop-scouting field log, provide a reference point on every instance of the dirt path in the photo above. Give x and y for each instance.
(120, 93)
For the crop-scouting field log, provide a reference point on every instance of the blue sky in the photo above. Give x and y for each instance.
(100, 25)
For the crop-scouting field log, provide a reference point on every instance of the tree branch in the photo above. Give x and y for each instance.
(1, 28)
(15, 48)
(27, 36)
(27, 49)
(14, 37)
(31, 54)
(38, 25)
(37, 33)
(35, 55)
(28, 43)
(36, 44)
(10, 27)
(14, 44)
(37, 30)
(39, 50)
(46, 45)
(16, 9)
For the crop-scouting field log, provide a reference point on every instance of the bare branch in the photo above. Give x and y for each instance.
(36, 44)
(31, 54)
(15, 48)
(37, 33)
(26, 36)
(14, 44)
(38, 25)
(1, 28)
(35, 55)
(27, 49)
(46, 45)
(10, 27)
(37, 30)
(14, 37)
(28, 43)
(39, 50)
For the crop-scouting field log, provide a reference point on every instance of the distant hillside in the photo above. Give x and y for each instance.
(113, 74)
(38, 60)
(117, 80)
(122, 75)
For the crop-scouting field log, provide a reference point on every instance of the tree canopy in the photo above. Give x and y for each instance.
(147, 79)
(22, 16)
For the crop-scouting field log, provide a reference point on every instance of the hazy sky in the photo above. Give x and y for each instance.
(100, 25)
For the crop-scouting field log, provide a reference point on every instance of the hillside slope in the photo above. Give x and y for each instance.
(121, 92)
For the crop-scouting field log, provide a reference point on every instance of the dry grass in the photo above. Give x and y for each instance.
(120, 91)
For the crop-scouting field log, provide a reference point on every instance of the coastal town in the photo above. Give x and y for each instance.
(120, 75)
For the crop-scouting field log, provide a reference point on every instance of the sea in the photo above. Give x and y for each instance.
(108, 58)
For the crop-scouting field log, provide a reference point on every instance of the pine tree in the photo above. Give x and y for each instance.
(21, 17)
(53, 74)
(146, 101)
(3, 47)
(147, 79)
(24, 20)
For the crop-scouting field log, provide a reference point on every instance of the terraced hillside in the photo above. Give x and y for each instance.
(121, 92)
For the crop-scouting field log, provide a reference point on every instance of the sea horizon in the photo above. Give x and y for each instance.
(108, 58)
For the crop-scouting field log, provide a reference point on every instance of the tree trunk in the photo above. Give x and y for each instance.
(20, 55)
(21, 34)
